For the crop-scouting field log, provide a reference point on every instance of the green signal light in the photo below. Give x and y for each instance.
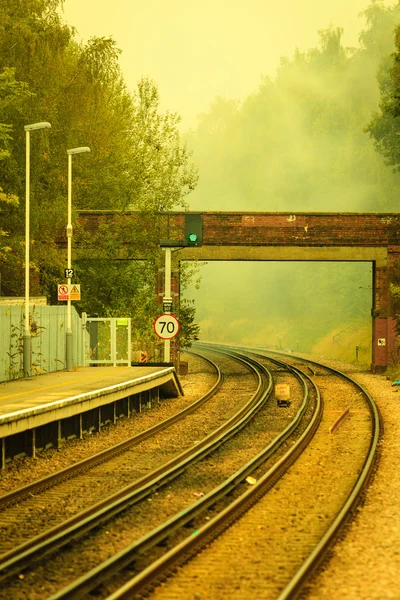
(192, 237)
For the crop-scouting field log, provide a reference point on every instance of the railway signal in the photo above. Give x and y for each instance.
(193, 233)
(194, 230)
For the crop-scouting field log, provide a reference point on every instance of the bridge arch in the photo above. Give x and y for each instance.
(282, 236)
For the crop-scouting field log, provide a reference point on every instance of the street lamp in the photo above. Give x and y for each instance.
(68, 340)
(26, 339)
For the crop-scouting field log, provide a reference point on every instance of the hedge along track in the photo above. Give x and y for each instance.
(35, 549)
(189, 517)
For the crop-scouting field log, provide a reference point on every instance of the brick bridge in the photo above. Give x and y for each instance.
(258, 236)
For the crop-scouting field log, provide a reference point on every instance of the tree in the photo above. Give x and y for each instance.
(297, 143)
(136, 159)
(12, 95)
(384, 127)
(189, 330)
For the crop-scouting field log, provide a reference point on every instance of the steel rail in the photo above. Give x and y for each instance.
(293, 589)
(35, 549)
(88, 582)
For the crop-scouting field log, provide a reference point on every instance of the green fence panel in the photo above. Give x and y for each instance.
(48, 332)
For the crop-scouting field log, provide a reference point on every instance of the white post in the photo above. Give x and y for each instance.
(68, 337)
(167, 288)
(113, 340)
(26, 340)
(129, 343)
(84, 321)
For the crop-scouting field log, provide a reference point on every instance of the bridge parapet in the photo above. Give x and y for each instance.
(367, 237)
(255, 229)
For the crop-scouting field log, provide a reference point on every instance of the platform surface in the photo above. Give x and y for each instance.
(32, 394)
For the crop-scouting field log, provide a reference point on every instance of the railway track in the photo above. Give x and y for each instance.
(285, 536)
(262, 444)
(37, 486)
(237, 404)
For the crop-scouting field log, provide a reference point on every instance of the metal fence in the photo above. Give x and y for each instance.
(108, 341)
(48, 330)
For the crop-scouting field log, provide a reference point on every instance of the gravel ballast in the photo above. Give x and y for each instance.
(365, 563)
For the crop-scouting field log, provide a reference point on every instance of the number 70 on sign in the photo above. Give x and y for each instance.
(166, 327)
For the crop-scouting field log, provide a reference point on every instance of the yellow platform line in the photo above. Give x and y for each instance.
(49, 387)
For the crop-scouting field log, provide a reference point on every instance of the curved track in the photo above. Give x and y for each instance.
(286, 535)
(241, 409)
(252, 451)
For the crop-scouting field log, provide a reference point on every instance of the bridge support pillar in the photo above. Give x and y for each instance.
(384, 343)
(384, 337)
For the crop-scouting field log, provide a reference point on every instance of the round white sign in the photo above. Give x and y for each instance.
(166, 327)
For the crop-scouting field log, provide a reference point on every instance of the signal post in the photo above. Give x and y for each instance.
(167, 325)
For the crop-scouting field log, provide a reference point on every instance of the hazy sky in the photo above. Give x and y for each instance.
(195, 51)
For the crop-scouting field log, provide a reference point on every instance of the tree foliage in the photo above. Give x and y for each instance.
(12, 95)
(137, 159)
(298, 143)
(384, 127)
(190, 330)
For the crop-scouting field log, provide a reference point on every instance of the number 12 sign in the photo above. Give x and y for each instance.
(166, 327)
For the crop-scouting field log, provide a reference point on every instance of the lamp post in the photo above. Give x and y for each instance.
(26, 338)
(68, 339)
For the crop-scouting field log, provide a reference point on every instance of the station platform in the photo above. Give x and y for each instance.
(45, 410)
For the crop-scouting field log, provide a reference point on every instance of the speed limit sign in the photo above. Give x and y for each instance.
(166, 327)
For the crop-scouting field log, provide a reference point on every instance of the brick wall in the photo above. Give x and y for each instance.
(303, 230)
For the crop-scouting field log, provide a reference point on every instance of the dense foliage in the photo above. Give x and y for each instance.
(299, 143)
(320, 136)
(384, 128)
(137, 159)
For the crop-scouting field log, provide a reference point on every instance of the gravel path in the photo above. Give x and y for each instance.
(365, 564)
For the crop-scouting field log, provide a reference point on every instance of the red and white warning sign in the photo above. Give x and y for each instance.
(63, 292)
(166, 326)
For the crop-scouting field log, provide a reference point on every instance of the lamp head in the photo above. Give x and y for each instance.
(78, 150)
(35, 126)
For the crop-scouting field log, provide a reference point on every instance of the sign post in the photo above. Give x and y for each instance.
(167, 289)
(66, 293)
(166, 326)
